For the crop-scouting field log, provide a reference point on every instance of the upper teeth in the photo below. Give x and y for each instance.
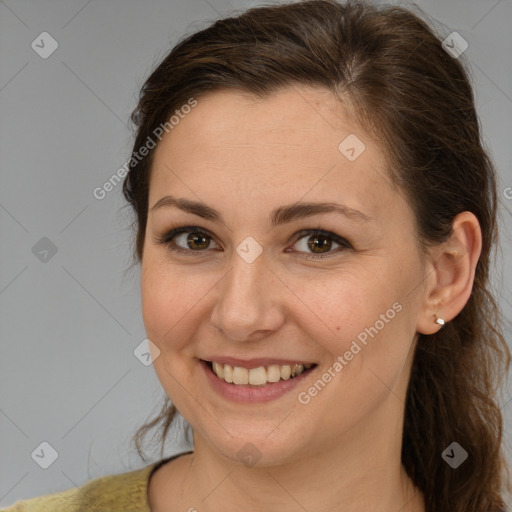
(257, 376)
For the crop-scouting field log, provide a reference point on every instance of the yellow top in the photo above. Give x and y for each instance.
(123, 492)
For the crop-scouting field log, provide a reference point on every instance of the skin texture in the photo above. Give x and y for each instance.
(244, 157)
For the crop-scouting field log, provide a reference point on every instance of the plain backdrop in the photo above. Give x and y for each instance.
(70, 317)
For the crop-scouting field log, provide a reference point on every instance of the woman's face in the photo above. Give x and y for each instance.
(252, 289)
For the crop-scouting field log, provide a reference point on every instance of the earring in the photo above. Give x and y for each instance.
(439, 321)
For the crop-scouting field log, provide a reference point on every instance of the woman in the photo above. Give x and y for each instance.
(315, 215)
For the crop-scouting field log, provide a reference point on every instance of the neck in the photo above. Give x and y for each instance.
(354, 473)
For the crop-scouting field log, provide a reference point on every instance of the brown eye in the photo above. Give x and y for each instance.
(193, 240)
(186, 240)
(197, 241)
(319, 243)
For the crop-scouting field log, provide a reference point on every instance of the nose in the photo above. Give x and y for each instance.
(249, 303)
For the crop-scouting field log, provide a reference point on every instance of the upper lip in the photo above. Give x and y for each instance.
(255, 363)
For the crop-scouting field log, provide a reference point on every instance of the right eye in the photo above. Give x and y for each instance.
(189, 236)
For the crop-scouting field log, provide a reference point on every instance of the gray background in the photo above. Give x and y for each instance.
(69, 326)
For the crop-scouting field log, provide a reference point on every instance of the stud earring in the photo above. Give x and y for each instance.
(439, 321)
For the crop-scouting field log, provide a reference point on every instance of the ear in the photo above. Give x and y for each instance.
(450, 273)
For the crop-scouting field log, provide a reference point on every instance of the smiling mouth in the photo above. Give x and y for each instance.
(260, 376)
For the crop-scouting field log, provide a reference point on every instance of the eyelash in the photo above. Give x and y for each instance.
(166, 240)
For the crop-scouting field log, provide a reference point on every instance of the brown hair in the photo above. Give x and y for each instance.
(417, 100)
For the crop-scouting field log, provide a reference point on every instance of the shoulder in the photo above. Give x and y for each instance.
(126, 492)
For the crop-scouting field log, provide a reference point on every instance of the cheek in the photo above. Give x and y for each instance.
(337, 309)
(172, 300)
(164, 300)
(361, 317)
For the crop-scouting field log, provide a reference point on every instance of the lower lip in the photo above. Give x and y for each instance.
(253, 394)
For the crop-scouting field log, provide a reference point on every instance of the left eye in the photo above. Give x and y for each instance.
(314, 239)
(319, 239)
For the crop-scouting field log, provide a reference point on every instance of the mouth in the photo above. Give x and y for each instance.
(260, 376)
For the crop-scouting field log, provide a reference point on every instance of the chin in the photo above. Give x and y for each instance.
(268, 449)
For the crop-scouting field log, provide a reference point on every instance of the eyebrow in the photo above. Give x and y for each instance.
(281, 215)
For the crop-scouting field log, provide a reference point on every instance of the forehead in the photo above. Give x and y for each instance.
(275, 150)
